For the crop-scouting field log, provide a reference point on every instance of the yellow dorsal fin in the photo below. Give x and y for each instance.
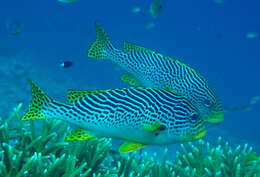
(132, 47)
(75, 95)
(130, 147)
(39, 100)
(130, 79)
(128, 47)
(78, 134)
(101, 46)
(154, 127)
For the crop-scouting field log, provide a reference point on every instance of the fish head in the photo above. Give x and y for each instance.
(214, 112)
(186, 127)
(208, 103)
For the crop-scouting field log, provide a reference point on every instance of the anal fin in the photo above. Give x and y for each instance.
(130, 147)
(130, 79)
(78, 134)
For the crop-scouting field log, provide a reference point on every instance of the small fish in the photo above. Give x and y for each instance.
(152, 69)
(255, 100)
(219, 1)
(68, 1)
(135, 10)
(66, 64)
(139, 115)
(14, 27)
(156, 8)
(252, 35)
(149, 25)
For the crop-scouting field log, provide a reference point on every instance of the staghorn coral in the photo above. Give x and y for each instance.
(28, 150)
(216, 160)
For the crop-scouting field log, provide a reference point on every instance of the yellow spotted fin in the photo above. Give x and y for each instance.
(130, 79)
(101, 46)
(130, 147)
(78, 135)
(128, 47)
(75, 95)
(39, 100)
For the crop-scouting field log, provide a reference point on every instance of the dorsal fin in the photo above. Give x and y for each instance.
(75, 95)
(132, 47)
(128, 47)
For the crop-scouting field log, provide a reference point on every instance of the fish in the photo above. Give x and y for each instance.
(255, 100)
(149, 25)
(66, 64)
(68, 1)
(156, 8)
(14, 27)
(139, 115)
(135, 9)
(252, 35)
(144, 67)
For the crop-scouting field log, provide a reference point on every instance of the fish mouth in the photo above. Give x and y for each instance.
(215, 117)
(198, 135)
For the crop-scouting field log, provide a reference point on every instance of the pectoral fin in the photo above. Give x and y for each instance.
(78, 135)
(154, 127)
(130, 79)
(130, 147)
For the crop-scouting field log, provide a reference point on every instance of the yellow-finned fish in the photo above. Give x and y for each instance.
(139, 115)
(152, 69)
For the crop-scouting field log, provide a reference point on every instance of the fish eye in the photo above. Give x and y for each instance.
(194, 117)
(207, 102)
(156, 134)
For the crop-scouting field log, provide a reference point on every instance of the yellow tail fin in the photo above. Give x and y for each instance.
(39, 99)
(100, 47)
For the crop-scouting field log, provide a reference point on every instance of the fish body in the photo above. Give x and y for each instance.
(66, 64)
(156, 8)
(148, 68)
(142, 115)
(68, 1)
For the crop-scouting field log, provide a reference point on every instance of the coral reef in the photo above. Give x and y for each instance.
(28, 149)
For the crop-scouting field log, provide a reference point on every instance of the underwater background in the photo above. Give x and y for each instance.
(218, 38)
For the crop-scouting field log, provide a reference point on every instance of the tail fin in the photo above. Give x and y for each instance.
(101, 46)
(42, 106)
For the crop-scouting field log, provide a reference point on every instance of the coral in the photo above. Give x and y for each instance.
(28, 149)
(216, 160)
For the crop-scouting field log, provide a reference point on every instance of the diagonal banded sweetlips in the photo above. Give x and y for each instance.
(139, 115)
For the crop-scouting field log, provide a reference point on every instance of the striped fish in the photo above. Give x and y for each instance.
(148, 68)
(141, 116)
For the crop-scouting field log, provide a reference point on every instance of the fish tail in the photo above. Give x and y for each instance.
(43, 107)
(102, 46)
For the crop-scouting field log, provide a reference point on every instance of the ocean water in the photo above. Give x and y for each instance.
(211, 36)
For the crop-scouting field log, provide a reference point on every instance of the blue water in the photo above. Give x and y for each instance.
(208, 36)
